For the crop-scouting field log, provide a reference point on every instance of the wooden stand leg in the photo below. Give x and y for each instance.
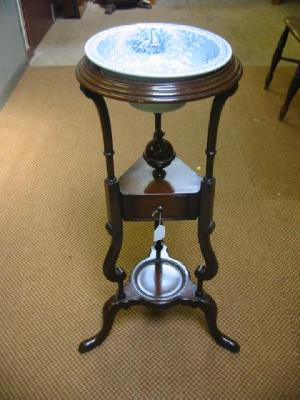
(112, 190)
(114, 227)
(110, 309)
(208, 305)
(206, 226)
(276, 56)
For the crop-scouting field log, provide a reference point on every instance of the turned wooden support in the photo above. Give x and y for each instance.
(206, 225)
(159, 152)
(113, 199)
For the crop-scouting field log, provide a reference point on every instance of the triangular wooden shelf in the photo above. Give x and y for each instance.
(178, 193)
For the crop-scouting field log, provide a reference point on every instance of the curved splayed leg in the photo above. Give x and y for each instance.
(206, 226)
(110, 309)
(208, 305)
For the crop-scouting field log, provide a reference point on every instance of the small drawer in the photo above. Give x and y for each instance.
(175, 207)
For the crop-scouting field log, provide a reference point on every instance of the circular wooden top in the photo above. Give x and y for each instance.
(98, 81)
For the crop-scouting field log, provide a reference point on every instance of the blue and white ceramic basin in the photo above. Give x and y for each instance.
(158, 50)
(151, 51)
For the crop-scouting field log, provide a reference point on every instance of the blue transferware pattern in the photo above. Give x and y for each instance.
(149, 41)
(158, 50)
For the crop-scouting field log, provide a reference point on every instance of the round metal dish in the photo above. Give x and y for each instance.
(160, 278)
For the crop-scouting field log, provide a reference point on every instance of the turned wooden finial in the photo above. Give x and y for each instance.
(159, 152)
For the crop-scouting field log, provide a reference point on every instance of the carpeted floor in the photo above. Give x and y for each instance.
(53, 242)
(251, 27)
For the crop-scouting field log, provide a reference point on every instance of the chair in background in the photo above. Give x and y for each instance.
(292, 24)
(112, 5)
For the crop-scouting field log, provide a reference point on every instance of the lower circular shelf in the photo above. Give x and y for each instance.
(159, 278)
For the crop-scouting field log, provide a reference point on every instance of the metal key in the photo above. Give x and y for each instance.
(160, 230)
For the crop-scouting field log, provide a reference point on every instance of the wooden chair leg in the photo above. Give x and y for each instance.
(276, 56)
(293, 88)
(110, 7)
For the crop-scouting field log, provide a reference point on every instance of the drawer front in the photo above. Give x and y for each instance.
(141, 208)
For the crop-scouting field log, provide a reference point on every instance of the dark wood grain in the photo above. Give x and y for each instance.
(159, 152)
(38, 20)
(113, 200)
(157, 91)
(178, 193)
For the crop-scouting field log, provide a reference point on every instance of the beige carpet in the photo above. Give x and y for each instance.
(53, 242)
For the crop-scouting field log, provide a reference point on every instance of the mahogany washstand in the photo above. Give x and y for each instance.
(159, 183)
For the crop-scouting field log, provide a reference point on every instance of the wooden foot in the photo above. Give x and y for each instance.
(110, 309)
(208, 305)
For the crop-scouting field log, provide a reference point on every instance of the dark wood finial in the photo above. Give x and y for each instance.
(159, 152)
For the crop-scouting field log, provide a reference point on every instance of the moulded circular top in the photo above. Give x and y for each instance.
(158, 50)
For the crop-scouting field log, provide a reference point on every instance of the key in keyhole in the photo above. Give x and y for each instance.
(160, 230)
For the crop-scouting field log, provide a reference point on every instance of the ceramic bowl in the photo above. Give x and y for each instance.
(158, 51)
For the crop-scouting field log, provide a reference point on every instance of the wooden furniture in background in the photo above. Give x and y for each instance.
(38, 17)
(112, 5)
(71, 8)
(292, 25)
(159, 185)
